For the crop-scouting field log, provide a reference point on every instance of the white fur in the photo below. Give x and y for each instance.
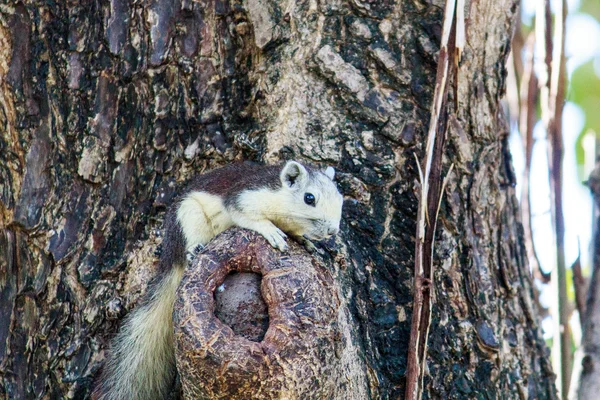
(293, 173)
(285, 210)
(142, 361)
(255, 216)
(202, 216)
(330, 172)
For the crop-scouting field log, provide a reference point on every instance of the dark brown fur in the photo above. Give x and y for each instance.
(227, 182)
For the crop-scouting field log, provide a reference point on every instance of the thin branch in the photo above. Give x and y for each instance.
(528, 118)
(430, 200)
(557, 99)
(517, 45)
(436, 108)
(446, 179)
(419, 169)
(553, 96)
(580, 283)
(460, 42)
(512, 90)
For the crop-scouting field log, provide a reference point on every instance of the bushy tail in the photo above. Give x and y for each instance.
(141, 363)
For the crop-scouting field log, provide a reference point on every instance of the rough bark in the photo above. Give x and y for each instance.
(589, 381)
(307, 351)
(106, 108)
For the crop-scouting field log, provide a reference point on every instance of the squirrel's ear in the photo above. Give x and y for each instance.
(330, 172)
(293, 175)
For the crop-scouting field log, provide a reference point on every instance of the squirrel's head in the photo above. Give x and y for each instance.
(315, 204)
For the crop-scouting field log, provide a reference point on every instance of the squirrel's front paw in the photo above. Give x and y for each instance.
(309, 246)
(275, 237)
(193, 252)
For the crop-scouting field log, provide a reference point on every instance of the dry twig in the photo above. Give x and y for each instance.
(453, 39)
(552, 82)
(580, 283)
(528, 118)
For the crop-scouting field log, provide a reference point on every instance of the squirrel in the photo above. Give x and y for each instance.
(272, 200)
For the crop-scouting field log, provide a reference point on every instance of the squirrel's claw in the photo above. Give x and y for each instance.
(193, 252)
(275, 237)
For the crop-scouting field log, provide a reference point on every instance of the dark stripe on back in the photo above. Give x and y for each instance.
(231, 180)
(226, 182)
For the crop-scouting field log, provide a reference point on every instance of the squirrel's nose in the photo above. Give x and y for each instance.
(332, 231)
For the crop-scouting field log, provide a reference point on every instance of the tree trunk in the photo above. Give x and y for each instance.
(589, 380)
(106, 108)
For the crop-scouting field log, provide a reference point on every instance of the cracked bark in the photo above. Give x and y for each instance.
(107, 108)
(306, 352)
(589, 380)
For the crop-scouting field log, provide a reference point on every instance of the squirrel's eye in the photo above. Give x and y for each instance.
(309, 199)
